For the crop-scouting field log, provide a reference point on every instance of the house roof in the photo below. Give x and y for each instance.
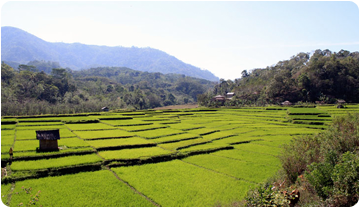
(341, 101)
(219, 96)
(48, 134)
(286, 103)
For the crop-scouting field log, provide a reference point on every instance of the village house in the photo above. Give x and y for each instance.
(218, 98)
(48, 139)
(286, 103)
(229, 95)
(340, 103)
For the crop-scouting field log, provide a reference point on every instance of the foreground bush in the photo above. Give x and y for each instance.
(345, 177)
(324, 168)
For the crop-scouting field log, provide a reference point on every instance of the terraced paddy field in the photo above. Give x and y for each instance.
(188, 157)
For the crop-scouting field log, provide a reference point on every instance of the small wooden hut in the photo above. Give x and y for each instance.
(48, 139)
(105, 109)
(286, 103)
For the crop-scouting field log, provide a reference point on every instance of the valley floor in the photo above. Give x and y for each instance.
(185, 157)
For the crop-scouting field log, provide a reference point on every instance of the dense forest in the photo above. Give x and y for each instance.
(41, 89)
(324, 76)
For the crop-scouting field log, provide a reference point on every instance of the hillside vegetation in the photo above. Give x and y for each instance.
(325, 76)
(26, 91)
(317, 170)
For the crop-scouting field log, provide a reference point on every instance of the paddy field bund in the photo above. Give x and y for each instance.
(190, 157)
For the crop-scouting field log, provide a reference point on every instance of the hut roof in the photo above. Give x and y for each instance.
(219, 96)
(105, 109)
(286, 103)
(48, 134)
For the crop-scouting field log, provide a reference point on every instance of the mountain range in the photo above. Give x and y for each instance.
(22, 47)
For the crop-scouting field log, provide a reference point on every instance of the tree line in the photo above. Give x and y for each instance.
(30, 91)
(324, 76)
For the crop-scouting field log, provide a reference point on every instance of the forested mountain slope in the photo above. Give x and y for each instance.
(26, 91)
(324, 76)
(22, 47)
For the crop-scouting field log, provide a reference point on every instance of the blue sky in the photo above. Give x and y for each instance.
(224, 37)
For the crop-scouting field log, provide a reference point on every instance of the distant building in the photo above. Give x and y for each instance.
(229, 95)
(218, 98)
(340, 103)
(286, 103)
(105, 109)
(48, 139)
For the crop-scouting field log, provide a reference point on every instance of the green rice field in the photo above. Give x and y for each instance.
(189, 157)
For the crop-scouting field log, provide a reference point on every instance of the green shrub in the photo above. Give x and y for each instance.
(264, 196)
(336, 182)
(320, 178)
(345, 177)
(329, 160)
(342, 136)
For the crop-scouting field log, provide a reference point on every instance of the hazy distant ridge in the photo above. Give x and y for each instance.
(20, 46)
